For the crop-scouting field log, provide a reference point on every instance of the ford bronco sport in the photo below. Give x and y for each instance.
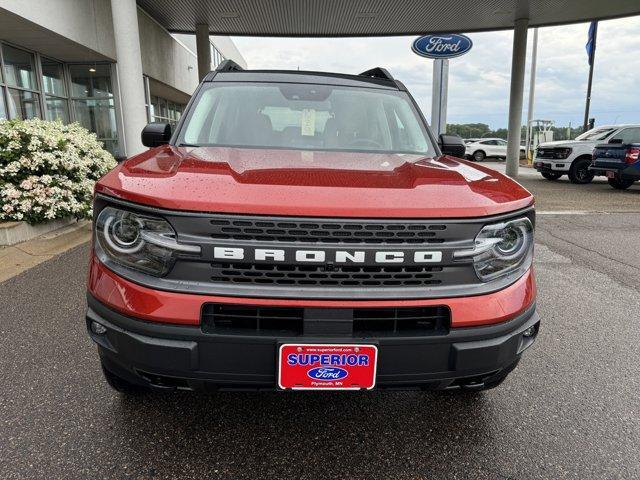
(304, 230)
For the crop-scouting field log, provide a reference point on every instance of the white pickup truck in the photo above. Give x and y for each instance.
(573, 157)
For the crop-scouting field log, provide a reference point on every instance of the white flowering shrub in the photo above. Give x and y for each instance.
(48, 170)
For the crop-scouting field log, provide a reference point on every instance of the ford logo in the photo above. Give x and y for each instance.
(442, 46)
(327, 374)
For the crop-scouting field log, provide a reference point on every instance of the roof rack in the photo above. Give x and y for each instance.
(377, 72)
(228, 66)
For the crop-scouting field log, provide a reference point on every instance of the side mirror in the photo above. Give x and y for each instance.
(156, 134)
(452, 145)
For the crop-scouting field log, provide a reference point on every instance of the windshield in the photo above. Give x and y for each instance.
(596, 134)
(305, 116)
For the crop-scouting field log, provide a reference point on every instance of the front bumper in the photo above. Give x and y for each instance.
(183, 357)
(621, 171)
(544, 165)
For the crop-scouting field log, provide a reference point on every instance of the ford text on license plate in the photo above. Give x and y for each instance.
(327, 367)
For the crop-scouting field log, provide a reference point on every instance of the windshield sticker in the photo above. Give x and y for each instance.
(308, 122)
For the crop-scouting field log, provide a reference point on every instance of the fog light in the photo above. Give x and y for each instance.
(97, 328)
(529, 332)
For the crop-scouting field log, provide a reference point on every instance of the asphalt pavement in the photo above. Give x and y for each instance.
(570, 410)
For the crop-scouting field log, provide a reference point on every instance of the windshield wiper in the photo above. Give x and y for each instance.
(188, 145)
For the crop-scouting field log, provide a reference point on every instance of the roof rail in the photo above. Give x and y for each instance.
(377, 72)
(228, 66)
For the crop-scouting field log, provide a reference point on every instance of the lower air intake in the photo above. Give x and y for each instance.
(229, 319)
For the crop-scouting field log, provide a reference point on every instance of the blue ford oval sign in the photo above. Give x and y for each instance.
(442, 45)
(327, 374)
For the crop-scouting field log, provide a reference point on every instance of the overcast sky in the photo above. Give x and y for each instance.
(479, 80)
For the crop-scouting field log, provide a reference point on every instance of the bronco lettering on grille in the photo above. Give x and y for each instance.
(321, 256)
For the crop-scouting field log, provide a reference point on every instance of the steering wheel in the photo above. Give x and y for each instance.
(365, 142)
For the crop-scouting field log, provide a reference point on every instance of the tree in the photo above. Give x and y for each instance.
(469, 130)
(479, 130)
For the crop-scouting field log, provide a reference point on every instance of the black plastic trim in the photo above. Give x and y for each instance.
(163, 355)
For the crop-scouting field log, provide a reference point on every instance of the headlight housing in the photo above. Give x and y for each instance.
(562, 153)
(138, 241)
(501, 249)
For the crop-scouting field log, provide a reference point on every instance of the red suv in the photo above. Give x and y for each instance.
(304, 230)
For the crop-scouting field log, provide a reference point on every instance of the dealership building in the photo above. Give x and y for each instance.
(106, 64)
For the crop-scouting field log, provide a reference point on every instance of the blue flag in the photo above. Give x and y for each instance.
(591, 42)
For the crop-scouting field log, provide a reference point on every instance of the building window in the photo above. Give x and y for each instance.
(165, 111)
(216, 57)
(93, 103)
(3, 108)
(3, 104)
(55, 90)
(35, 86)
(19, 68)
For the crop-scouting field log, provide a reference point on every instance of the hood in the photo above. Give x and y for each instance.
(312, 183)
(565, 143)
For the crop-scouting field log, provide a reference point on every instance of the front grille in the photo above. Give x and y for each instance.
(551, 153)
(416, 321)
(220, 317)
(319, 275)
(287, 277)
(233, 319)
(335, 232)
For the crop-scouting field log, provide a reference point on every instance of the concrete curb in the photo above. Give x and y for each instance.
(23, 256)
(12, 233)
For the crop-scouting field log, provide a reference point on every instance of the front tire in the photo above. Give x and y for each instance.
(620, 184)
(579, 172)
(478, 156)
(551, 175)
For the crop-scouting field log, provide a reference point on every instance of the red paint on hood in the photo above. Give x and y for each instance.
(312, 183)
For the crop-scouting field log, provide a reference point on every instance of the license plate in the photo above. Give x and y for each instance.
(327, 367)
(611, 174)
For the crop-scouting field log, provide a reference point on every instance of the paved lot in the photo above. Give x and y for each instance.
(570, 410)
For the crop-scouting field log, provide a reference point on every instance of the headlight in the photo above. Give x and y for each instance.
(501, 249)
(562, 152)
(140, 242)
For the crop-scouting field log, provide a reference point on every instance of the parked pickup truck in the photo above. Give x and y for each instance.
(619, 162)
(573, 157)
(307, 231)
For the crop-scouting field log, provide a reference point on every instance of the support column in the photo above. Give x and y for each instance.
(439, 93)
(515, 97)
(130, 81)
(532, 90)
(203, 50)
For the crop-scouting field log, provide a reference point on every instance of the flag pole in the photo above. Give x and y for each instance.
(593, 35)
